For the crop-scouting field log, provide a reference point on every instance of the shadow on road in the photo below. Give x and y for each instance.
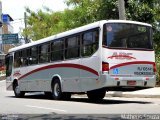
(64, 117)
(107, 101)
(84, 100)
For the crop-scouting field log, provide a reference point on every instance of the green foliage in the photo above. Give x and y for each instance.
(80, 12)
(42, 24)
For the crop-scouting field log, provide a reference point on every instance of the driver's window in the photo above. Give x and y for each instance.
(9, 62)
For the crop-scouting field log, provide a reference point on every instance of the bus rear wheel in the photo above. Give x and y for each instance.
(57, 93)
(96, 95)
(56, 90)
(17, 91)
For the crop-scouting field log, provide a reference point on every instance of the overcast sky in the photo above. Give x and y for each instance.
(16, 9)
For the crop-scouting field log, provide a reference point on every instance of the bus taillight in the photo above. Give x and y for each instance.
(105, 66)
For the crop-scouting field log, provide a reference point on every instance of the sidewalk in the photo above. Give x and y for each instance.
(146, 93)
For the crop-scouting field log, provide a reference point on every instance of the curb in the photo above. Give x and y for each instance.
(131, 95)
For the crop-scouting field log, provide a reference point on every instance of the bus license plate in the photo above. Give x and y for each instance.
(131, 82)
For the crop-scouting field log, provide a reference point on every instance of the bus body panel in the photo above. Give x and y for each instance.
(129, 65)
(39, 77)
(88, 81)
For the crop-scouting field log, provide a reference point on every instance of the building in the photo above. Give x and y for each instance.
(7, 28)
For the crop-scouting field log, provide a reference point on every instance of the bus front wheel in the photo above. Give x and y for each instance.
(17, 91)
(96, 95)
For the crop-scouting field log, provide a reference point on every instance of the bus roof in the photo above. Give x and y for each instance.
(74, 31)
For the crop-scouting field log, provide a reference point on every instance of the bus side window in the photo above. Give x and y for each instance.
(44, 53)
(34, 55)
(72, 47)
(57, 50)
(24, 58)
(89, 43)
(29, 56)
(17, 59)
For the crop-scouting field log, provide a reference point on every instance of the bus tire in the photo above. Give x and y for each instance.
(56, 90)
(96, 95)
(17, 92)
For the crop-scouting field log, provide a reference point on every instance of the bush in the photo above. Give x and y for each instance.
(158, 70)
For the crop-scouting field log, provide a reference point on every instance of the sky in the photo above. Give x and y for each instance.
(16, 9)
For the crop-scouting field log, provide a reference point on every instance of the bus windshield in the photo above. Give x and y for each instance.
(125, 35)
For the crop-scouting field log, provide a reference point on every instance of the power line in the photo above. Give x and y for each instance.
(18, 19)
(16, 22)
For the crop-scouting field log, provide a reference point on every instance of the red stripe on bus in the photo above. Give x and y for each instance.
(130, 63)
(62, 65)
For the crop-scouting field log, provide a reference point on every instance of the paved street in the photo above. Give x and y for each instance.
(39, 104)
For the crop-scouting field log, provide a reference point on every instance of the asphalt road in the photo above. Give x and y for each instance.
(38, 104)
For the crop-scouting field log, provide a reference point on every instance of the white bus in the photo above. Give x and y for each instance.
(95, 58)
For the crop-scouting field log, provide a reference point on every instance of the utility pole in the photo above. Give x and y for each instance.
(121, 9)
(25, 25)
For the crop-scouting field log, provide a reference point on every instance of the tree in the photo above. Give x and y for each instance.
(42, 24)
(80, 12)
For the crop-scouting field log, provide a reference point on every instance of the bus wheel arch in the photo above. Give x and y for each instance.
(56, 87)
(16, 89)
(54, 77)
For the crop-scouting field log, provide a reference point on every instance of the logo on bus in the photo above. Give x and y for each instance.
(122, 56)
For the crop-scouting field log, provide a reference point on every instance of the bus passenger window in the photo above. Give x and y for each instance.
(24, 58)
(44, 52)
(72, 47)
(17, 59)
(57, 48)
(34, 55)
(89, 43)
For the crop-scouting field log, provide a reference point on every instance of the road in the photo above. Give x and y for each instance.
(39, 104)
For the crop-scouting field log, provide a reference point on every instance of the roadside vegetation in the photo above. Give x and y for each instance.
(46, 22)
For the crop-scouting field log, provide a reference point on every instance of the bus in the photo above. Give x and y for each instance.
(102, 56)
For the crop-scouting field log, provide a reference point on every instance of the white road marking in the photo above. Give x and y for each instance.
(45, 108)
